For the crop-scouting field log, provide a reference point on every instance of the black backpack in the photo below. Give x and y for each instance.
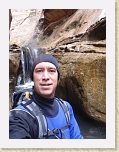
(23, 98)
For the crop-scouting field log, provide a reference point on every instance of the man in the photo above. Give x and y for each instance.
(45, 74)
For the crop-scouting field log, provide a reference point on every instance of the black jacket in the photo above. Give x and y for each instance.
(20, 119)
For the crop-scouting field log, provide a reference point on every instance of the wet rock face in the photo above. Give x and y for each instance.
(14, 60)
(83, 82)
(77, 38)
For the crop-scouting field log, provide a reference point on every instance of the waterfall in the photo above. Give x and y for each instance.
(26, 61)
(23, 69)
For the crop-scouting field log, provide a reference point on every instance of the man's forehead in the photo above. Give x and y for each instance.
(45, 65)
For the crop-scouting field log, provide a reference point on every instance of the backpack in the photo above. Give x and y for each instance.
(24, 98)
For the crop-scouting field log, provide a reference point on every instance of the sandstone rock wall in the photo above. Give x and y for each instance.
(79, 44)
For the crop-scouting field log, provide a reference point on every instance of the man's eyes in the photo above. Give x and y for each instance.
(52, 70)
(39, 70)
(49, 70)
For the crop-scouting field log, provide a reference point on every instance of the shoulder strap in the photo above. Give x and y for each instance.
(65, 109)
(67, 115)
(36, 111)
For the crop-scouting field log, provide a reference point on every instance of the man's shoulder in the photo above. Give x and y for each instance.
(20, 111)
(63, 101)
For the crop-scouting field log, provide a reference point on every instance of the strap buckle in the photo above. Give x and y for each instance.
(56, 131)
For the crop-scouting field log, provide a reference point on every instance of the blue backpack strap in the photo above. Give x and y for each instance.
(36, 111)
(67, 115)
(65, 109)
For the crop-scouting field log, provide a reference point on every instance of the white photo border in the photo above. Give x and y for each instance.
(109, 142)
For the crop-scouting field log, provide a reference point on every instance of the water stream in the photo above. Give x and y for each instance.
(27, 58)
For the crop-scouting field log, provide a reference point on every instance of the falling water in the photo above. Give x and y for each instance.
(26, 60)
(23, 68)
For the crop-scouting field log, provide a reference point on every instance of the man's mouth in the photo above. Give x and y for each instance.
(45, 84)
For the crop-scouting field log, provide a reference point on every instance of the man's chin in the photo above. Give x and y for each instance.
(47, 95)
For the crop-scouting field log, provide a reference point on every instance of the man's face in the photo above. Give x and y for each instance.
(45, 78)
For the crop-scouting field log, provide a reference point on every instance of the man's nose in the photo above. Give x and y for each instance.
(45, 75)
